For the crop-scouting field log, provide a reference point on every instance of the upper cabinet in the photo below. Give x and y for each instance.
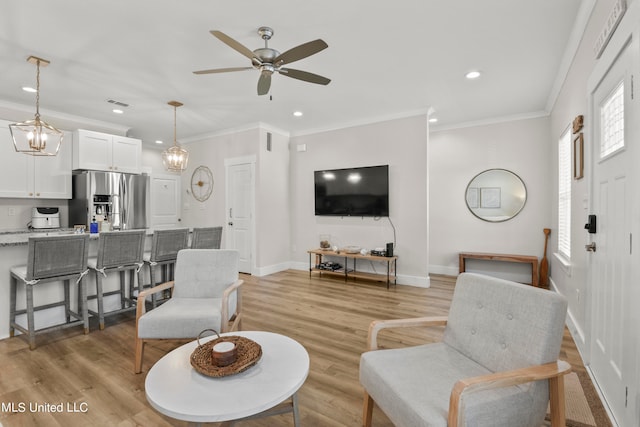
(25, 176)
(101, 151)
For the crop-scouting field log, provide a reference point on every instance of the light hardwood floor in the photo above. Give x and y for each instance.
(328, 317)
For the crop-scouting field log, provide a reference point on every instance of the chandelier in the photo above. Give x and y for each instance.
(175, 158)
(36, 137)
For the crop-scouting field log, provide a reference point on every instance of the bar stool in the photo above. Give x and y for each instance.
(51, 259)
(164, 251)
(118, 251)
(206, 238)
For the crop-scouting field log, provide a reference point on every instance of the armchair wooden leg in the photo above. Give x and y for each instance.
(139, 354)
(367, 412)
(556, 400)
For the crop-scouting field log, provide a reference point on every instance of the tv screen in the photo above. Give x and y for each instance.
(352, 192)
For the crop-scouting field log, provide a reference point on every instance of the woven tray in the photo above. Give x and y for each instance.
(249, 352)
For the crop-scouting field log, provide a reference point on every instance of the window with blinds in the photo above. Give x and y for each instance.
(564, 194)
(612, 122)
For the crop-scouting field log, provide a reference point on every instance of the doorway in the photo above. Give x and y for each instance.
(240, 207)
(611, 262)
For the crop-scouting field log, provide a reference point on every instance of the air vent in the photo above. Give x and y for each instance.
(121, 104)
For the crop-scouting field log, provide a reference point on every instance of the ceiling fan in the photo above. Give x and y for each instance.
(270, 61)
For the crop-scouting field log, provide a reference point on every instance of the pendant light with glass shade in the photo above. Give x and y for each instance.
(36, 137)
(175, 158)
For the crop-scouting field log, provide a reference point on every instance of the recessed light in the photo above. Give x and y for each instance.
(118, 111)
(472, 75)
(297, 113)
(158, 141)
(29, 89)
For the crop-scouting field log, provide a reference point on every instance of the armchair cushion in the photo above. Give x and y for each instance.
(412, 386)
(180, 318)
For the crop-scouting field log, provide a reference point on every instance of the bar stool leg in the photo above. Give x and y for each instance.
(100, 300)
(67, 301)
(30, 320)
(122, 286)
(152, 276)
(12, 305)
(83, 308)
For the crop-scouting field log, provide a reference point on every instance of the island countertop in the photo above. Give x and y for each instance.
(21, 236)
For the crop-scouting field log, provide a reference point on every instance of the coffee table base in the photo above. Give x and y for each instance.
(282, 408)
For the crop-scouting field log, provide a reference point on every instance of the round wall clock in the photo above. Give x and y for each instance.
(201, 183)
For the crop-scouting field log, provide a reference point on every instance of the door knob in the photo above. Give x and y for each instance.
(230, 223)
(591, 247)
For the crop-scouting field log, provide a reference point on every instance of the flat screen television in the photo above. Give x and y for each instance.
(360, 191)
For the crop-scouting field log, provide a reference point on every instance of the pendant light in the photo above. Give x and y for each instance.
(175, 159)
(36, 137)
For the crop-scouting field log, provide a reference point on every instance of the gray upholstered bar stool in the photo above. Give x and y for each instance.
(162, 257)
(51, 259)
(118, 251)
(206, 238)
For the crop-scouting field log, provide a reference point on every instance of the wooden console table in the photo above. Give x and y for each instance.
(526, 259)
(347, 272)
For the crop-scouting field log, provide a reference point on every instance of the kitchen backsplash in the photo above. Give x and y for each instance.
(15, 214)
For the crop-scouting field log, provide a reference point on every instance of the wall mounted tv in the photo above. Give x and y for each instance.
(360, 191)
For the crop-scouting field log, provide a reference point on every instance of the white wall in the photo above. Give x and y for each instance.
(399, 143)
(456, 156)
(212, 152)
(272, 203)
(572, 101)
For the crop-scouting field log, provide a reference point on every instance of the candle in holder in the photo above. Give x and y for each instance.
(224, 353)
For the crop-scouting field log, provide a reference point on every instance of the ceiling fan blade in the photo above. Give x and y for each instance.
(264, 83)
(234, 44)
(305, 76)
(300, 52)
(222, 70)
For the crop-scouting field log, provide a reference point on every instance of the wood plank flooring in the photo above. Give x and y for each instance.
(328, 317)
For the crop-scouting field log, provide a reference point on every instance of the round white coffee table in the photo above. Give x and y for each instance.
(175, 389)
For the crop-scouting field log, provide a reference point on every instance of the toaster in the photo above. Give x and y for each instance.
(45, 218)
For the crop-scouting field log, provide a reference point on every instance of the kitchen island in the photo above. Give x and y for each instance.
(13, 251)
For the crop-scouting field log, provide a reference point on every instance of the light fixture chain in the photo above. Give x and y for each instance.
(37, 90)
(175, 125)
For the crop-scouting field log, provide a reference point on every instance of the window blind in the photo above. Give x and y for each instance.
(564, 194)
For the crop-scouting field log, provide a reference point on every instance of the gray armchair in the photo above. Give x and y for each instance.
(205, 294)
(496, 365)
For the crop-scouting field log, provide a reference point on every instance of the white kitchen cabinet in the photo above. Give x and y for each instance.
(26, 176)
(105, 152)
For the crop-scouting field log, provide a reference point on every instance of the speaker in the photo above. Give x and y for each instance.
(389, 249)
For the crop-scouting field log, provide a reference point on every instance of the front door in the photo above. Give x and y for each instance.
(240, 206)
(612, 270)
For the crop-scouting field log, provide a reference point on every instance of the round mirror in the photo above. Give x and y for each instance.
(496, 195)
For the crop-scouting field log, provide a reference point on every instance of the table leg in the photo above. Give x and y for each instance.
(296, 413)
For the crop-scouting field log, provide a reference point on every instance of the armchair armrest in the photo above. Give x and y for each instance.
(553, 371)
(377, 325)
(142, 296)
(224, 312)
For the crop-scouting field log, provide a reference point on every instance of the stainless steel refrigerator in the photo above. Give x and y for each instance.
(122, 199)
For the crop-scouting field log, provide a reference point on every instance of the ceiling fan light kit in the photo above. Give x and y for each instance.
(175, 158)
(36, 137)
(269, 61)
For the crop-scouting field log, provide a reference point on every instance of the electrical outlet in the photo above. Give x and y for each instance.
(11, 211)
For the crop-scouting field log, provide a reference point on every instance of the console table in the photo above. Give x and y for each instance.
(352, 272)
(526, 259)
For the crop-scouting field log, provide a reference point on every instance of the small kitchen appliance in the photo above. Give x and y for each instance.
(45, 218)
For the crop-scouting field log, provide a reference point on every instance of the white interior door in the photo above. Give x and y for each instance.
(165, 201)
(612, 270)
(240, 207)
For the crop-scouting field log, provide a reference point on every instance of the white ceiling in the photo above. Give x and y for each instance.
(385, 59)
